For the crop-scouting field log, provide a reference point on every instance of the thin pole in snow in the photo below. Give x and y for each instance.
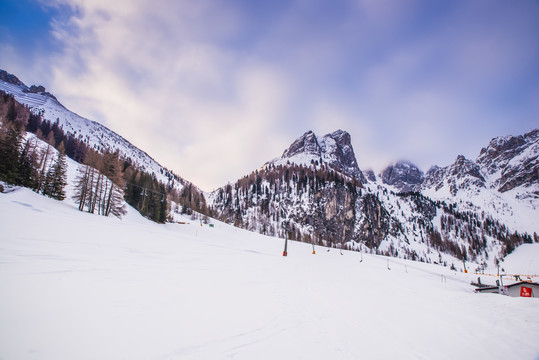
(285, 246)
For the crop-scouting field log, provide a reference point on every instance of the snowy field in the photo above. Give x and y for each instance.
(81, 286)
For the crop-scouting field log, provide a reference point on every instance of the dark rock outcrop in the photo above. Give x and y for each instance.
(404, 175)
(369, 174)
(10, 78)
(333, 149)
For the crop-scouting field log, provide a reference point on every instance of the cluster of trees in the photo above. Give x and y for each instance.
(462, 234)
(146, 194)
(274, 182)
(99, 185)
(102, 175)
(23, 162)
(190, 198)
(270, 200)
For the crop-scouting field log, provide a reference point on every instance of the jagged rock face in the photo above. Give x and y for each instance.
(432, 170)
(10, 78)
(369, 174)
(307, 144)
(333, 149)
(36, 89)
(337, 150)
(512, 161)
(462, 174)
(404, 175)
(374, 222)
(332, 214)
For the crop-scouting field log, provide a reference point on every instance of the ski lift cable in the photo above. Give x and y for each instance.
(437, 274)
(145, 189)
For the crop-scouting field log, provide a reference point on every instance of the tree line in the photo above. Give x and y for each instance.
(104, 177)
(22, 161)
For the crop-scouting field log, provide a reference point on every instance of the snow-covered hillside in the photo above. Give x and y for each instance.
(450, 216)
(81, 286)
(90, 132)
(503, 182)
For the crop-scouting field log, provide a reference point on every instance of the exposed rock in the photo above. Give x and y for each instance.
(337, 151)
(36, 89)
(512, 161)
(370, 175)
(462, 174)
(10, 78)
(403, 175)
(306, 144)
(333, 149)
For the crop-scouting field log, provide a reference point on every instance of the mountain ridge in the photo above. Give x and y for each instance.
(316, 192)
(91, 132)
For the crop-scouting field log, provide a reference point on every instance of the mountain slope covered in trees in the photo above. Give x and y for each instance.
(402, 213)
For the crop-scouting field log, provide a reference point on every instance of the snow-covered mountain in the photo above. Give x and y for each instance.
(512, 161)
(317, 193)
(334, 150)
(463, 174)
(403, 175)
(92, 133)
(503, 182)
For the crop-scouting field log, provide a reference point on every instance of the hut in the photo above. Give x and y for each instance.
(519, 289)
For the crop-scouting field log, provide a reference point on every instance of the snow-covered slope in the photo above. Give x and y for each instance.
(90, 132)
(81, 286)
(452, 215)
(503, 182)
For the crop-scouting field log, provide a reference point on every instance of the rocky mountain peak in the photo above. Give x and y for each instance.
(462, 174)
(334, 149)
(463, 167)
(512, 160)
(404, 175)
(306, 144)
(432, 170)
(369, 174)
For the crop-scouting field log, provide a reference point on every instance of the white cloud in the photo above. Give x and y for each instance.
(156, 73)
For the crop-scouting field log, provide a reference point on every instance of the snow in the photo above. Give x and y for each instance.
(92, 133)
(523, 260)
(82, 286)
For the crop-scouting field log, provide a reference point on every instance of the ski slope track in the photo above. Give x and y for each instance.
(82, 286)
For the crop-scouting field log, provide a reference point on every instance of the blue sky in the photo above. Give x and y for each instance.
(213, 89)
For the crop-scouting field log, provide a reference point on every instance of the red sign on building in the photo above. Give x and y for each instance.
(525, 291)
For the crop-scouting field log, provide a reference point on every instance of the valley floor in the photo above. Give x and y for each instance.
(81, 286)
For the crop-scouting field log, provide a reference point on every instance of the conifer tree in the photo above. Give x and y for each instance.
(10, 155)
(56, 178)
(82, 186)
(28, 174)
